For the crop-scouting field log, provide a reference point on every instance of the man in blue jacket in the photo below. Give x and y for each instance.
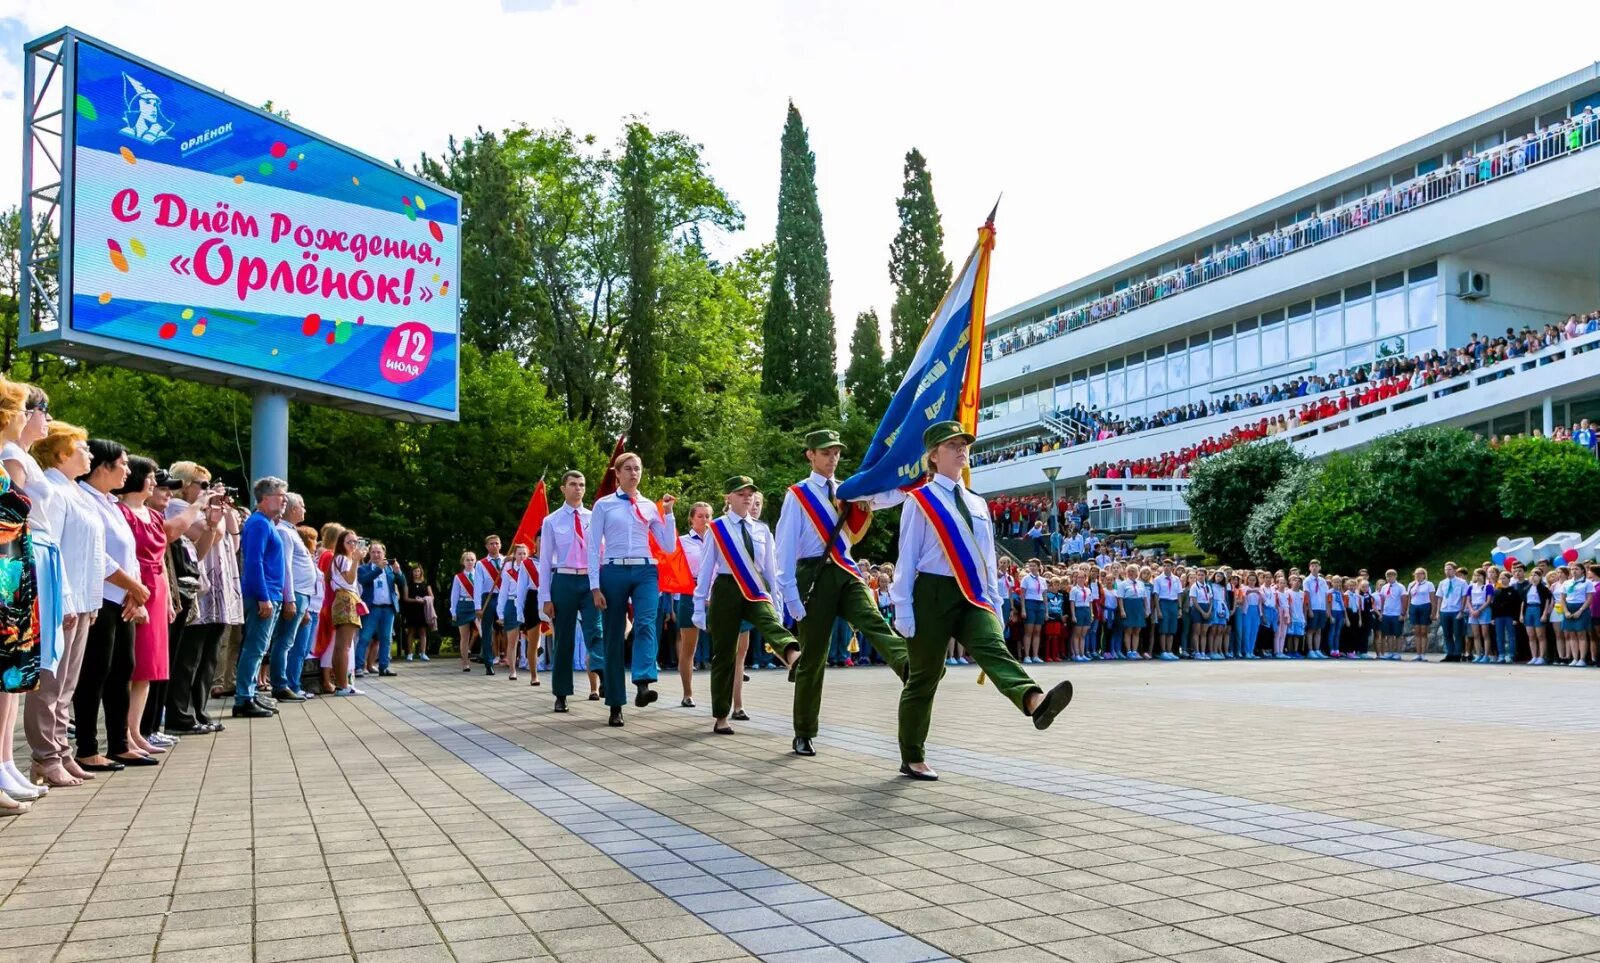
(261, 577)
(380, 589)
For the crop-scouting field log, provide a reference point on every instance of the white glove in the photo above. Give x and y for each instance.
(906, 627)
(795, 608)
(699, 621)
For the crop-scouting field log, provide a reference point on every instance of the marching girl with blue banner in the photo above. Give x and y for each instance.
(732, 587)
(945, 587)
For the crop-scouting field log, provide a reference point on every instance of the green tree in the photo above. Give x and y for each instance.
(917, 266)
(1261, 529)
(1552, 484)
(866, 379)
(641, 243)
(798, 350)
(1225, 488)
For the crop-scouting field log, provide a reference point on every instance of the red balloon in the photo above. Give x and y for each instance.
(1511, 560)
(1570, 555)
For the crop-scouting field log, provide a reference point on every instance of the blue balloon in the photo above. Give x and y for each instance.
(1498, 557)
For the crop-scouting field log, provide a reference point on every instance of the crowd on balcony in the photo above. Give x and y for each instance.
(1355, 387)
(1544, 143)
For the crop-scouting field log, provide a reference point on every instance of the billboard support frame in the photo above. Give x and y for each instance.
(54, 51)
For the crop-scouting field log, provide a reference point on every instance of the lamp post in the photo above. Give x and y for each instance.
(1050, 472)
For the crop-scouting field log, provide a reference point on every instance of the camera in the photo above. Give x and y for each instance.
(164, 480)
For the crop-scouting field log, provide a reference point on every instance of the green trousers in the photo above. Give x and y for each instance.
(725, 610)
(942, 614)
(835, 594)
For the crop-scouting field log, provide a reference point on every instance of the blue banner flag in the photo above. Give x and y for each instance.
(940, 385)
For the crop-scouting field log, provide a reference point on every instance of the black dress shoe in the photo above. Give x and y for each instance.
(488, 670)
(723, 730)
(738, 714)
(251, 710)
(190, 731)
(906, 770)
(286, 695)
(137, 760)
(387, 672)
(1051, 705)
(594, 697)
(746, 676)
(645, 695)
(802, 746)
(561, 703)
(616, 717)
(101, 766)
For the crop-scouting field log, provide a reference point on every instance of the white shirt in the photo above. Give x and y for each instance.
(302, 570)
(47, 515)
(713, 564)
(341, 580)
(380, 589)
(485, 583)
(515, 584)
(1032, 588)
(1577, 593)
(120, 554)
(460, 593)
(920, 551)
(1421, 592)
(694, 549)
(1317, 592)
(1451, 591)
(556, 548)
(616, 531)
(798, 537)
(1080, 596)
(83, 546)
(1168, 587)
(1391, 595)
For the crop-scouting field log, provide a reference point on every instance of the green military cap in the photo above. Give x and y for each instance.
(823, 438)
(942, 431)
(737, 483)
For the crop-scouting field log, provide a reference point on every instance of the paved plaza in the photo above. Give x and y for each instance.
(1293, 812)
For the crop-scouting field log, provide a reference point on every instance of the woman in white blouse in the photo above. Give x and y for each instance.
(63, 455)
(622, 568)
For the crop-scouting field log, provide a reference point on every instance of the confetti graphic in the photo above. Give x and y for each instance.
(199, 328)
(265, 170)
(436, 231)
(279, 149)
(187, 314)
(127, 155)
(311, 324)
(137, 246)
(118, 259)
(105, 297)
(86, 109)
(168, 331)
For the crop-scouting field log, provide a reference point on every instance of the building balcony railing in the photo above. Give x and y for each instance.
(1471, 172)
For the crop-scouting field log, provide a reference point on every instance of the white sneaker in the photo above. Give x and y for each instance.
(348, 690)
(424, 657)
(408, 656)
(1580, 664)
(1536, 662)
(162, 739)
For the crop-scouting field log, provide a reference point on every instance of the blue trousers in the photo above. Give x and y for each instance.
(491, 618)
(253, 648)
(303, 637)
(283, 639)
(377, 626)
(570, 596)
(1335, 629)
(620, 584)
(1505, 636)
(1448, 622)
(1249, 623)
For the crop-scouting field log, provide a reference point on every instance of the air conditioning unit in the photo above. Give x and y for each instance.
(1472, 285)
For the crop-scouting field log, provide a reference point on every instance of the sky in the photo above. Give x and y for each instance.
(1109, 128)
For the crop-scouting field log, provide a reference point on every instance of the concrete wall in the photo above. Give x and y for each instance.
(1518, 296)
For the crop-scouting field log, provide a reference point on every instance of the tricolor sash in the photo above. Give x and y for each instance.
(492, 571)
(959, 543)
(824, 518)
(466, 583)
(743, 568)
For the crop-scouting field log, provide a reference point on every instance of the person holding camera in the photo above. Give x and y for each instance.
(380, 592)
(167, 533)
(218, 603)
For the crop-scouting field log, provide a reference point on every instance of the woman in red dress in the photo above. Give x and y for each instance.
(149, 636)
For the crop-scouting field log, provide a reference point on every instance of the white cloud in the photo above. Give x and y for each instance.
(1110, 128)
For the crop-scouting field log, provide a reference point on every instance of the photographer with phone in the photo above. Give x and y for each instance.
(217, 602)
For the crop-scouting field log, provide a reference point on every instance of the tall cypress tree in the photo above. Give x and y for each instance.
(916, 265)
(641, 243)
(867, 379)
(797, 351)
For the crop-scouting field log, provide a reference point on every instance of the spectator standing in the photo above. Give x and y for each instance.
(262, 576)
(380, 593)
(307, 635)
(345, 609)
(150, 653)
(173, 543)
(287, 660)
(19, 639)
(417, 613)
(218, 605)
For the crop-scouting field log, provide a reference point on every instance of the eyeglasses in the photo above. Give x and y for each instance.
(42, 407)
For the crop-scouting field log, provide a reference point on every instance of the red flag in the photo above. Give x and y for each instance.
(532, 519)
(608, 484)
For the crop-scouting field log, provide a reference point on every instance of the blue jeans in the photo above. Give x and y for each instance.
(376, 626)
(570, 596)
(253, 648)
(302, 647)
(1448, 623)
(620, 584)
(1335, 629)
(283, 636)
(491, 618)
(1249, 629)
(839, 643)
(1505, 636)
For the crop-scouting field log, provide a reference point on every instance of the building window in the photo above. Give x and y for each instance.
(1391, 314)
(1200, 364)
(1274, 350)
(1358, 356)
(1330, 328)
(1136, 387)
(1177, 369)
(1157, 379)
(1358, 321)
(1222, 357)
(1424, 301)
(1418, 342)
(1248, 351)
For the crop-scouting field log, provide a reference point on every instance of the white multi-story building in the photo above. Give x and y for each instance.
(1490, 223)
